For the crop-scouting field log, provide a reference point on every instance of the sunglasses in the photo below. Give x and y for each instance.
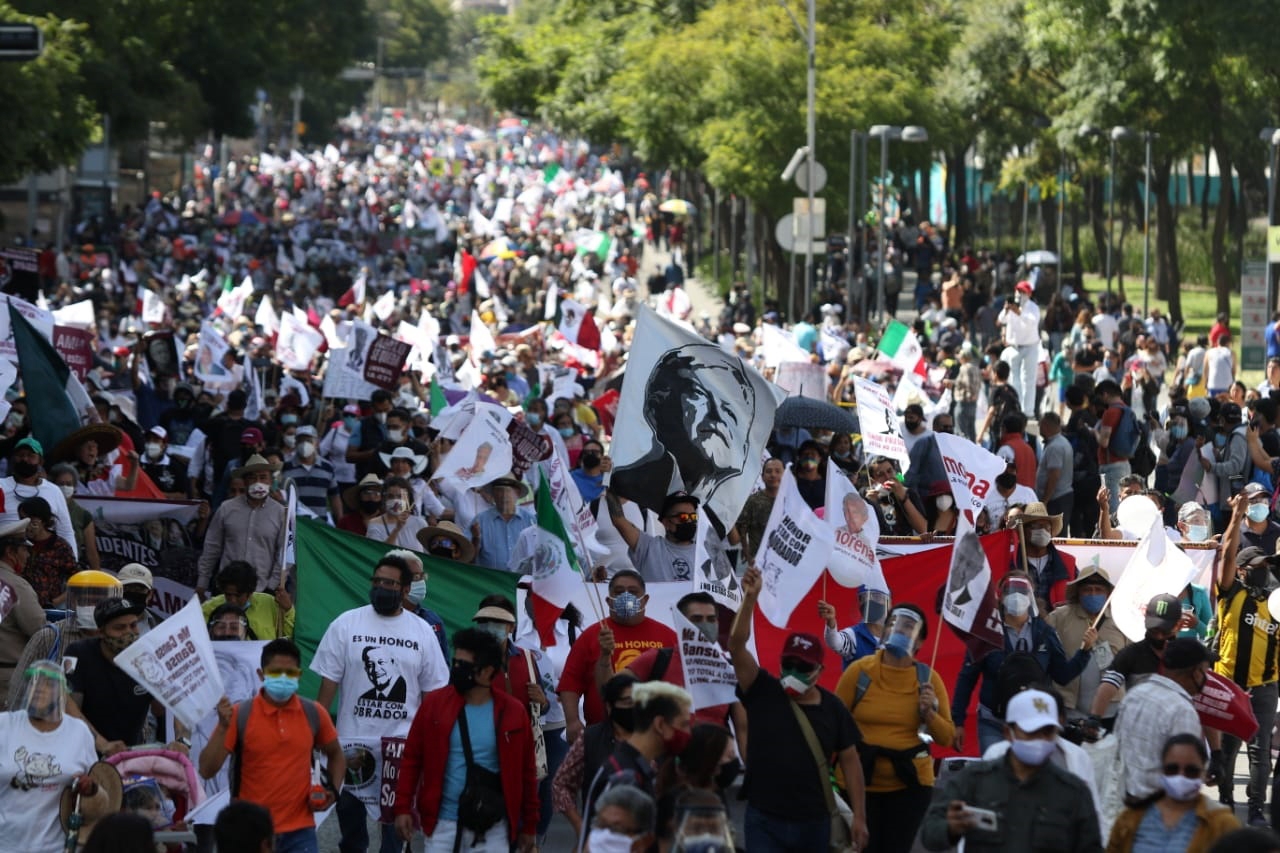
(1191, 771)
(683, 517)
(801, 666)
(289, 672)
(444, 542)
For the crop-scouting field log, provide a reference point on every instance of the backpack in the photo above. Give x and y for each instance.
(1127, 435)
(243, 710)
(1143, 462)
(864, 682)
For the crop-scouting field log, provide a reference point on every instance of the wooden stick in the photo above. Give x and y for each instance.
(1105, 604)
(937, 636)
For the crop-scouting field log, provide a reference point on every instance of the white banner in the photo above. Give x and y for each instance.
(1156, 566)
(802, 379)
(344, 377)
(794, 550)
(482, 453)
(853, 561)
(238, 662)
(152, 306)
(708, 676)
(175, 662)
(691, 417)
(971, 471)
(209, 352)
(881, 431)
(713, 574)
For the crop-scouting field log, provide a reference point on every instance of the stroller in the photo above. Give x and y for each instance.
(162, 786)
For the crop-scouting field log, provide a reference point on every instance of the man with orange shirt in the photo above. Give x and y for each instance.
(279, 733)
(1015, 450)
(608, 647)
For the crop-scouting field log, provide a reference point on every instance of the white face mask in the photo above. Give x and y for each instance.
(601, 840)
(155, 450)
(306, 449)
(395, 506)
(84, 617)
(1180, 787)
(1039, 537)
(67, 491)
(1017, 603)
(290, 440)
(259, 491)
(943, 503)
(395, 434)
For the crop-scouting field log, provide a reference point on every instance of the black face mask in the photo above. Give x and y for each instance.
(728, 773)
(685, 531)
(370, 507)
(1007, 481)
(912, 424)
(25, 469)
(445, 553)
(1157, 643)
(139, 599)
(590, 460)
(385, 601)
(623, 718)
(463, 675)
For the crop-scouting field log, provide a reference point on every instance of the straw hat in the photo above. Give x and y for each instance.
(466, 551)
(1037, 511)
(351, 494)
(106, 800)
(107, 436)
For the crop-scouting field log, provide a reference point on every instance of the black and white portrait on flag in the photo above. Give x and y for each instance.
(691, 417)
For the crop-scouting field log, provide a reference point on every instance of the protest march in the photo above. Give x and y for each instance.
(398, 488)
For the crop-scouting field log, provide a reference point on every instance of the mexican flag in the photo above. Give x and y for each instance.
(43, 370)
(546, 552)
(438, 401)
(232, 301)
(597, 243)
(334, 568)
(900, 346)
(578, 324)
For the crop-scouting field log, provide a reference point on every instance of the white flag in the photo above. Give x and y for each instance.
(881, 431)
(793, 554)
(385, 305)
(971, 471)
(1157, 566)
(174, 662)
(297, 343)
(482, 453)
(779, 347)
(853, 560)
(266, 317)
(152, 306)
(708, 676)
(232, 301)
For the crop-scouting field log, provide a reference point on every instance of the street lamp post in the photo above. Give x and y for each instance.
(811, 133)
(1270, 135)
(1148, 137)
(910, 133)
(854, 136)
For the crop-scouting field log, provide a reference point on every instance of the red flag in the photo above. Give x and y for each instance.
(589, 333)
(1224, 706)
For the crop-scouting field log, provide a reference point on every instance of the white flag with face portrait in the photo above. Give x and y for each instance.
(881, 428)
(793, 554)
(853, 561)
(692, 414)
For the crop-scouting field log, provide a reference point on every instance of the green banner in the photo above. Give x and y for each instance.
(334, 568)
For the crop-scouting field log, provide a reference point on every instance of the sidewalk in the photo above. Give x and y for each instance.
(701, 295)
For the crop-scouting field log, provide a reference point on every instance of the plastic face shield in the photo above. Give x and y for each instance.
(85, 590)
(46, 697)
(905, 622)
(874, 605)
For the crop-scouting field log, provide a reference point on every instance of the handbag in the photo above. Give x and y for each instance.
(480, 806)
(535, 724)
(841, 840)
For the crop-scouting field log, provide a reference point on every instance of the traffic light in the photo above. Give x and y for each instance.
(20, 42)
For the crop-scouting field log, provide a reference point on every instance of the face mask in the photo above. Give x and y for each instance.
(306, 449)
(67, 491)
(25, 469)
(1093, 604)
(626, 606)
(796, 683)
(84, 617)
(1258, 577)
(381, 417)
(589, 460)
(1017, 603)
(808, 463)
(349, 423)
(444, 553)
(119, 644)
(154, 450)
(1022, 299)
(385, 601)
(288, 420)
(533, 419)
(1007, 481)
(290, 440)
(710, 631)
(139, 599)
(601, 840)
(1198, 532)
(1220, 440)
(370, 507)
(1258, 512)
(841, 454)
(494, 629)
(14, 421)
(417, 592)
(943, 503)
(898, 645)
(912, 424)
(566, 432)
(677, 742)
(259, 491)
(463, 675)
(1033, 752)
(279, 687)
(1179, 432)
(1180, 787)
(623, 718)
(395, 506)
(728, 773)
(1157, 643)
(685, 531)
(396, 435)
(1039, 537)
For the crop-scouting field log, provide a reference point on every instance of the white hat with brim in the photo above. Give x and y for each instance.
(417, 463)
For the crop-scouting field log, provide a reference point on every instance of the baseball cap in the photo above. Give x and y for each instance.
(1186, 652)
(113, 608)
(351, 409)
(305, 429)
(1253, 490)
(1032, 710)
(677, 498)
(1163, 611)
(1025, 287)
(1253, 556)
(32, 444)
(803, 647)
(135, 573)
(158, 431)
(251, 435)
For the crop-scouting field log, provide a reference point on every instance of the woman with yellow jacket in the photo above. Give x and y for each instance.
(893, 698)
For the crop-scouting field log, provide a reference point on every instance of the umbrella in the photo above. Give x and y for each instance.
(808, 413)
(1038, 257)
(511, 122)
(500, 248)
(241, 217)
(678, 206)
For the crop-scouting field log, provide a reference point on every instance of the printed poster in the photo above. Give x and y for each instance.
(175, 662)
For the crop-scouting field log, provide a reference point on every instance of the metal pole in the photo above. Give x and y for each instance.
(880, 247)
(1062, 214)
(750, 228)
(733, 236)
(1146, 224)
(1111, 213)
(715, 236)
(811, 141)
(297, 95)
(1026, 201)
(853, 219)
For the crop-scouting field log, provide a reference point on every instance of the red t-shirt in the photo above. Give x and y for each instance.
(1216, 333)
(643, 668)
(629, 642)
(1110, 419)
(1024, 459)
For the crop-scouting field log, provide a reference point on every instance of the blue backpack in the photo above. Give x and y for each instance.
(1127, 435)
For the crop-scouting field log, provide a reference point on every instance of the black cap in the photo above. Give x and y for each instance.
(1186, 652)
(1164, 611)
(677, 498)
(1254, 556)
(1230, 413)
(113, 608)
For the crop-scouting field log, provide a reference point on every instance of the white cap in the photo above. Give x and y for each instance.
(158, 431)
(135, 573)
(1032, 710)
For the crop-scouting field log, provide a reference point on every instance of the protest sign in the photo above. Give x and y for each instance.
(344, 376)
(297, 343)
(209, 355)
(712, 572)
(1224, 705)
(364, 772)
(392, 753)
(238, 662)
(482, 453)
(385, 361)
(40, 319)
(802, 379)
(853, 560)
(708, 676)
(162, 354)
(527, 447)
(76, 348)
(793, 554)
(969, 602)
(20, 270)
(175, 662)
(158, 534)
(152, 306)
(881, 433)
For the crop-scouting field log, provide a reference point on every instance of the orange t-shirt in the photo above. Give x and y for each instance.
(276, 769)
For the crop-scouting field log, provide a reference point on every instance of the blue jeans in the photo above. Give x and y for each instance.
(557, 749)
(1112, 473)
(990, 731)
(298, 841)
(768, 834)
(353, 822)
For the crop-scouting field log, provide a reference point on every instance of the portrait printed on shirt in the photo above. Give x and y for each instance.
(387, 690)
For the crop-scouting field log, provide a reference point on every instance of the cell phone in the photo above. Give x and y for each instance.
(983, 819)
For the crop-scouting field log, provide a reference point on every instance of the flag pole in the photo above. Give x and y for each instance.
(1105, 605)
(937, 637)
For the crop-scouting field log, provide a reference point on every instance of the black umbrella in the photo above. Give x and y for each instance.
(814, 414)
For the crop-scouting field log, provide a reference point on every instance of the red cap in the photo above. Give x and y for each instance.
(1025, 287)
(251, 435)
(805, 647)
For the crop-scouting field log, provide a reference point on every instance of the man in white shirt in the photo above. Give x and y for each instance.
(1008, 491)
(1021, 321)
(1105, 328)
(26, 482)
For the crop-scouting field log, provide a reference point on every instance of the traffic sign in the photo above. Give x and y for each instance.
(819, 177)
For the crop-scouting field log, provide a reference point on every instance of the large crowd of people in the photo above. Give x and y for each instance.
(514, 264)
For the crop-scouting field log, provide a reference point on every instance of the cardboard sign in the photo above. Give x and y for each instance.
(384, 362)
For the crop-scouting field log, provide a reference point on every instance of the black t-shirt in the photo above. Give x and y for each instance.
(1135, 662)
(781, 779)
(113, 702)
(170, 477)
(1266, 540)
